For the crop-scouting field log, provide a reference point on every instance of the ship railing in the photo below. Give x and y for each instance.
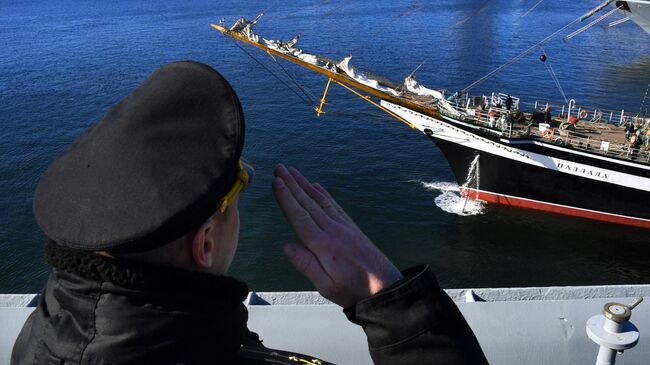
(493, 118)
(603, 147)
(493, 100)
(496, 119)
(589, 113)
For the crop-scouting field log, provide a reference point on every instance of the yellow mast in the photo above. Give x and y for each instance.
(319, 110)
(341, 79)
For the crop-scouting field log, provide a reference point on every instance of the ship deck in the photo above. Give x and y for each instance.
(602, 136)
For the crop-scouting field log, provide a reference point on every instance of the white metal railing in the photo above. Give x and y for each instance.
(593, 145)
(497, 119)
(589, 113)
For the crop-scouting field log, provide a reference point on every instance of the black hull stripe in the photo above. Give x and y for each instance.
(502, 175)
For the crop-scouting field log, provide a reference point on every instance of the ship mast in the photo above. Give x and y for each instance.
(334, 74)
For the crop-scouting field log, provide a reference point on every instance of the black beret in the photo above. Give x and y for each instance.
(152, 170)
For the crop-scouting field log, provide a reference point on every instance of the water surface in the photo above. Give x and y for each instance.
(64, 63)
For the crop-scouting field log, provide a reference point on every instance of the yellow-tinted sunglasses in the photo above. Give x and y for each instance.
(245, 173)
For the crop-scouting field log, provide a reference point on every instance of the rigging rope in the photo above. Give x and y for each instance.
(598, 20)
(518, 57)
(308, 94)
(273, 74)
(474, 13)
(557, 82)
(460, 22)
(343, 110)
(412, 8)
(533, 8)
(646, 97)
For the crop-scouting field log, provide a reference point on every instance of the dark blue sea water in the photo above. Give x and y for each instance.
(62, 64)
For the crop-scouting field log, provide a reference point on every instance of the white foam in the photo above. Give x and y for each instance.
(443, 186)
(450, 200)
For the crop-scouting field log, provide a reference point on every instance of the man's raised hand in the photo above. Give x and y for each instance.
(341, 262)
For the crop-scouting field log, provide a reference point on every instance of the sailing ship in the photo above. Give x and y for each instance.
(578, 162)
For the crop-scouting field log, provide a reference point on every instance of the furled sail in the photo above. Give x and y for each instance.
(360, 77)
(413, 86)
(242, 22)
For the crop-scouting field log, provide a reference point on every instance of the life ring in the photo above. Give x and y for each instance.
(584, 114)
(548, 133)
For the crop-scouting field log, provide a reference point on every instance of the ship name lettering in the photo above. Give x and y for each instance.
(582, 170)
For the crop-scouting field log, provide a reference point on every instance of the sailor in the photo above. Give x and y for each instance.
(629, 130)
(636, 141)
(548, 117)
(143, 222)
(509, 102)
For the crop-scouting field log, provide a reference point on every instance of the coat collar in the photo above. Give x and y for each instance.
(140, 276)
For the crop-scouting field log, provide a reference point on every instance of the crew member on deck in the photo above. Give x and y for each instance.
(143, 223)
(509, 102)
(548, 117)
(629, 129)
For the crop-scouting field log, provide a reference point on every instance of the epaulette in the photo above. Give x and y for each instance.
(263, 355)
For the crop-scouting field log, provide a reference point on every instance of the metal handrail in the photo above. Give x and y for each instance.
(595, 114)
(565, 138)
(594, 145)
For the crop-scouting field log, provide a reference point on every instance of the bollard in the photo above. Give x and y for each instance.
(613, 331)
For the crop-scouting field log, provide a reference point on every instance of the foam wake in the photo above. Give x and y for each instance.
(450, 200)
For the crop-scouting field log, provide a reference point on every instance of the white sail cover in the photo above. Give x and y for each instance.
(360, 77)
(248, 32)
(412, 85)
(289, 48)
(242, 22)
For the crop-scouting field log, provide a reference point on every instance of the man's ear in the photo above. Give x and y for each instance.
(203, 245)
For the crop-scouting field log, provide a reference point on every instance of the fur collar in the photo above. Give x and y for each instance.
(142, 276)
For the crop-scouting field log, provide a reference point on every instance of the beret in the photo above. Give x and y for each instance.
(152, 170)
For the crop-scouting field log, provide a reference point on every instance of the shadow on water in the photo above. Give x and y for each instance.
(626, 78)
(527, 248)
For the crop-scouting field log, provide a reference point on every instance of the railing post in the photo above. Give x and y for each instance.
(622, 115)
(563, 109)
(611, 114)
(572, 104)
(535, 104)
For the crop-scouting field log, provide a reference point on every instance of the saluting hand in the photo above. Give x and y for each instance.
(341, 262)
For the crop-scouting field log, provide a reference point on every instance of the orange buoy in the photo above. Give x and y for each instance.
(548, 133)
